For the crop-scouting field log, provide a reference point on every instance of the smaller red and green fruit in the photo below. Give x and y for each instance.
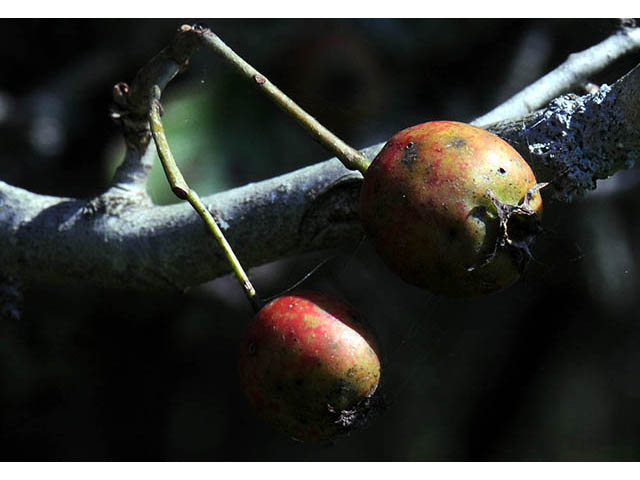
(309, 366)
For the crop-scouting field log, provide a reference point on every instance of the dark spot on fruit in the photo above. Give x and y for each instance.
(459, 142)
(409, 155)
(502, 171)
(295, 340)
(252, 348)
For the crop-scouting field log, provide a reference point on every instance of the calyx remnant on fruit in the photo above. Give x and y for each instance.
(519, 226)
(451, 208)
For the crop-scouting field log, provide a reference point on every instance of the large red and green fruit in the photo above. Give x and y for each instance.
(309, 366)
(451, 208)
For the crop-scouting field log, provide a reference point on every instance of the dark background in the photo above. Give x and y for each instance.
(547, 370)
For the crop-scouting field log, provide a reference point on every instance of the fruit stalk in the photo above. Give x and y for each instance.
(432, 217)
(181, 189)
(308, 366)
(349, 156)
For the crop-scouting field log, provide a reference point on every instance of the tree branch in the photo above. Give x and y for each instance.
(571, 74)
(132, 106)
(60, 240)
(120, 241)
(579, 140)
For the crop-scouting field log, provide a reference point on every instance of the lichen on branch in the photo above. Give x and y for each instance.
(577, 140)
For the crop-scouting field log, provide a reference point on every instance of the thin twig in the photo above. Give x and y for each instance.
(181, 190)
(177, 182)
(131, 106)
(350, 157)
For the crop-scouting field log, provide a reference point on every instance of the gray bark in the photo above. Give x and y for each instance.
(576, 70)
(120, 240)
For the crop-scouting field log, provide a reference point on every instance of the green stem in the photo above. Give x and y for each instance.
(174, 176)
(181, 189)
(196, 203)
(349, 156)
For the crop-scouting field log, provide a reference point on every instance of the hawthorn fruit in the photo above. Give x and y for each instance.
(451, 208)
(309, 367)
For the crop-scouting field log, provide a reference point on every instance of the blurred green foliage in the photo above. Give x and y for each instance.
(191, 126)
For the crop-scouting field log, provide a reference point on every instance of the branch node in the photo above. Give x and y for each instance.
(132, 103)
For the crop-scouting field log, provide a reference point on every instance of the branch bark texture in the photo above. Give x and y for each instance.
(117, 240)
(61, 240)
(572, 73)
(575, 141)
